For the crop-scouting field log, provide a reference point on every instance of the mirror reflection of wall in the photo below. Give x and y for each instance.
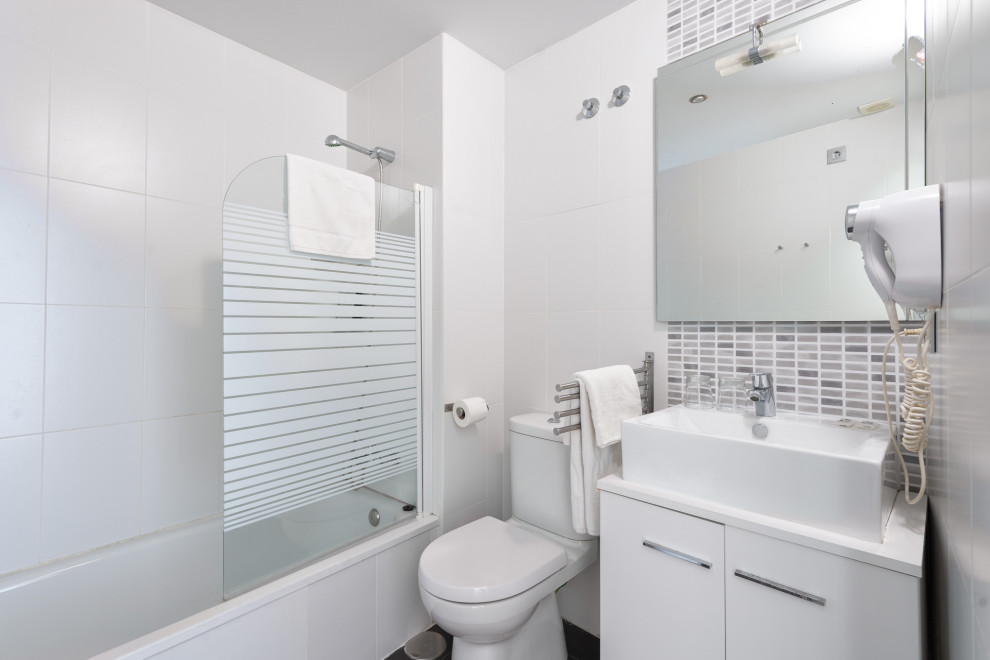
(750, 206)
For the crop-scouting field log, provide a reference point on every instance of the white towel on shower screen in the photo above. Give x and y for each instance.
(331, 210)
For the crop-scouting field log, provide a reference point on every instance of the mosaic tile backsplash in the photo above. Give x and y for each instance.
(830, 368)
(696, 24)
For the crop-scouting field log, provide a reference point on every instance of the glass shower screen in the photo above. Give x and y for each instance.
(321, 378)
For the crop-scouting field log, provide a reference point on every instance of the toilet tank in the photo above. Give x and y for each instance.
(540, 475)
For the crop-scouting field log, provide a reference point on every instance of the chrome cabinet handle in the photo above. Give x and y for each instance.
(797, 593)
(679, 555)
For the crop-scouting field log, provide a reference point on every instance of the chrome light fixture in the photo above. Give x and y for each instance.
(759, 53)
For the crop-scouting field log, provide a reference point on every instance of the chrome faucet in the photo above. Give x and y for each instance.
(762, 395)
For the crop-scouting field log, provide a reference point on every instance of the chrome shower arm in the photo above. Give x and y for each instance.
(378, 153)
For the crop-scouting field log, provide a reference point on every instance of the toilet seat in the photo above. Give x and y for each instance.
(488, 560)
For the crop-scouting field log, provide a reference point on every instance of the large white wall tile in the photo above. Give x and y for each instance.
(112, 34)
(22, 354)
(573, 268)
(464, 463)
(340, 609)
(24, 112)
(470, 356)
(26, 19)
(626, 254)
(465, 243)
(93, 366)
(468, 114)
(314, 111)
(526, 159)
(185, 149)
(574, 339)
(421, 81)
(98, 126)
(498, 463)
(627, 335)
(20, 502)
(92, 488)
(247, 141)
(181, 362)
(385, 101)
(400, 610)
(183, 261)
(95, 246)
(526, 266)
(526, 360)
(358, 124)
(180, 470)
(421, 152)
(254, 85)
(184, 58)
(980, 136)
(23, 221)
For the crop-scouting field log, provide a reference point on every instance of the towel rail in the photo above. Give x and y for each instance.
(647, 395)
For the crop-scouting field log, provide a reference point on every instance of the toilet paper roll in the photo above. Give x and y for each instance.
(470, 410)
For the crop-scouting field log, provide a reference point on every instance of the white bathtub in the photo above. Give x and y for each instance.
(75, 607)
(155, 593)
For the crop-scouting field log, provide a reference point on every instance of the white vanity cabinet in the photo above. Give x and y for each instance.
(662, 582)
(759, 598)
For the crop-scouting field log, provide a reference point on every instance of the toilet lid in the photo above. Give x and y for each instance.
(487, 560)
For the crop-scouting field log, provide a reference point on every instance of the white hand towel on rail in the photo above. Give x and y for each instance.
(331, 210)
(613, 393)
(591, 458)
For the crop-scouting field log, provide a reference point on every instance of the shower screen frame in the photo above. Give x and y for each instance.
(241, 570)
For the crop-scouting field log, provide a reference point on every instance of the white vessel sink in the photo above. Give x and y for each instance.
(808, 470)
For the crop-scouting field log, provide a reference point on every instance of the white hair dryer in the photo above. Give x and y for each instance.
(909, 225)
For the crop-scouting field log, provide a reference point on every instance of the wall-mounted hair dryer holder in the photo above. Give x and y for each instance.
(908, 225)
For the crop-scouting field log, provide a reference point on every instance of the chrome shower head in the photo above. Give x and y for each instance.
(379, 153)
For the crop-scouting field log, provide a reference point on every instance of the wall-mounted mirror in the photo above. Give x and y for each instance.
(755, 168)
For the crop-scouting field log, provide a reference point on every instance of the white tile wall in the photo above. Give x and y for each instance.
(93, 366)
(24, 125)
(180, 460)
(20, 485)
(92, 494)
(98, 125)
(473, 147)
(23, 198)
(139, 118)
(579, 205)
(579, 217)
(958, 129)
(95, 246)
(22, 352)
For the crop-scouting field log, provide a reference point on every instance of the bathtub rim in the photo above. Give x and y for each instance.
(213, 617)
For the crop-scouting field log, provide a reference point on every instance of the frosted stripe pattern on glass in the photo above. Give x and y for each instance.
(320, 363)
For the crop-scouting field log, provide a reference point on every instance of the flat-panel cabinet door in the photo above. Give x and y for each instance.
(786, 601)
(662, 583)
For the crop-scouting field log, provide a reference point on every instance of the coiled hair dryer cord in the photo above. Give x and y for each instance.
(917, 403)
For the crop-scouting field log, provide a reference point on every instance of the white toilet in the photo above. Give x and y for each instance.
(492, 584)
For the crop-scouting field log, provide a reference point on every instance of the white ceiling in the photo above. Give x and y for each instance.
(344, 41)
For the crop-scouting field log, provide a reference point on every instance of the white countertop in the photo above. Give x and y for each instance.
(901, 550)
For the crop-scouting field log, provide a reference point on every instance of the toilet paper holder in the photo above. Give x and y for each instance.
(449, 407)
